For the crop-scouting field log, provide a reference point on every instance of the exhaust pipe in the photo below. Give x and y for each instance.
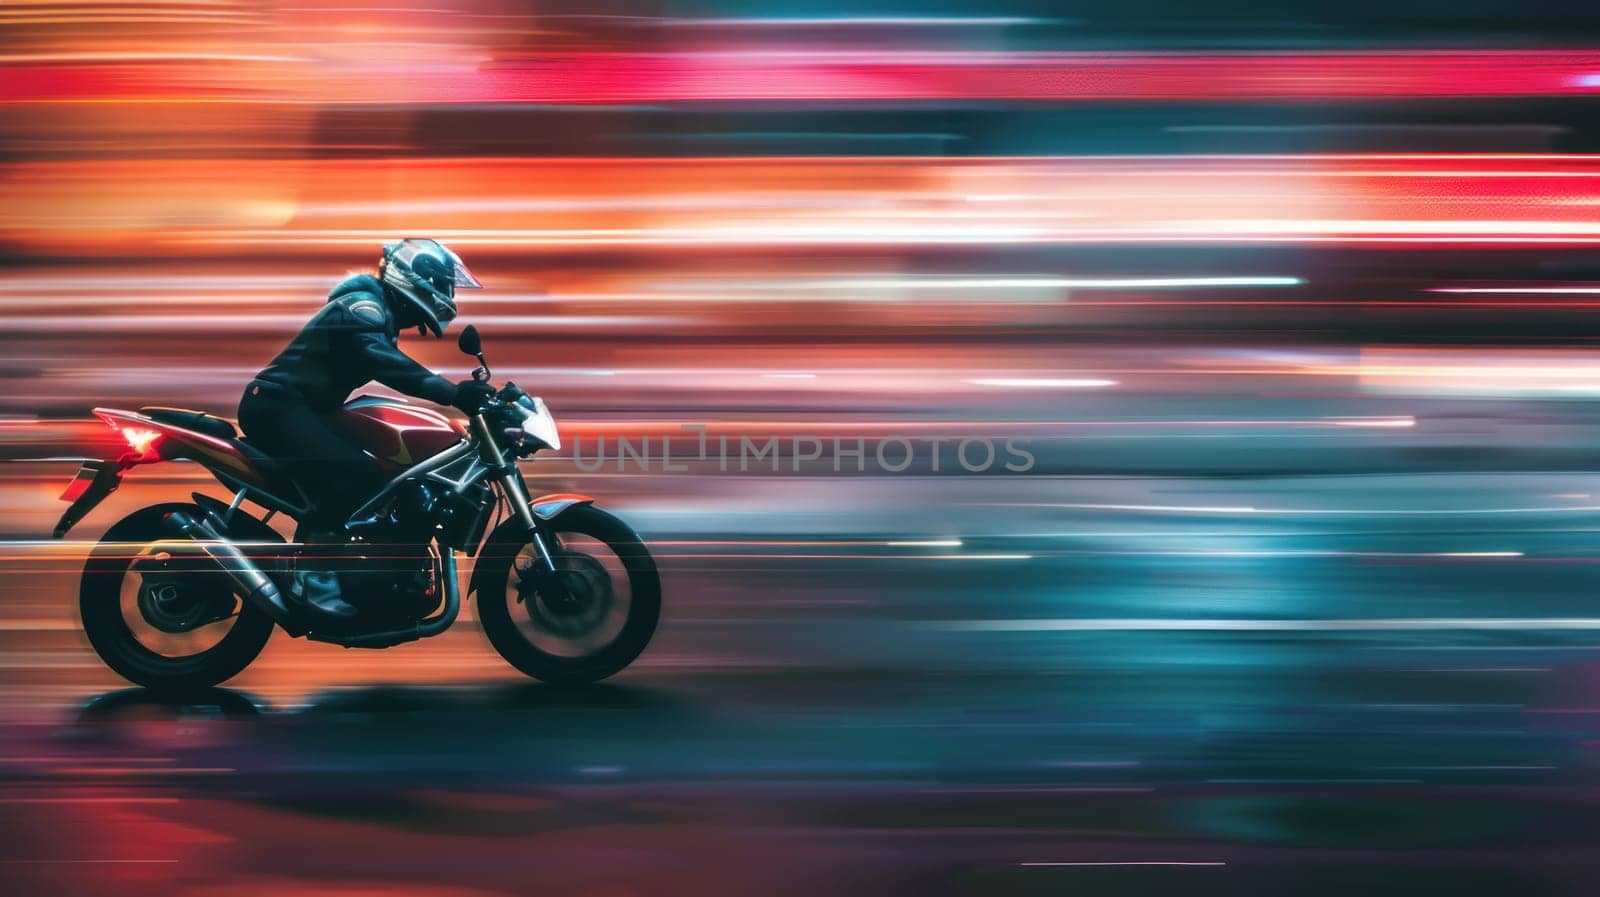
(252, 582)
(259, 589)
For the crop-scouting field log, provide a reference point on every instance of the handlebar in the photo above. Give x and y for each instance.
(506, 396)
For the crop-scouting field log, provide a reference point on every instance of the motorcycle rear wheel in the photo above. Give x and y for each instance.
(503, 600)
(101, 606)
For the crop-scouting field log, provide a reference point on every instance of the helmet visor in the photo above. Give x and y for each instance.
(463, 278)
(458, 278)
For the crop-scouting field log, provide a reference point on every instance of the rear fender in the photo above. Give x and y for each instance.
(95, 480)
(149, 441)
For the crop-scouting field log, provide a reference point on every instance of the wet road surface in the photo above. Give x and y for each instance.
(1148, 700)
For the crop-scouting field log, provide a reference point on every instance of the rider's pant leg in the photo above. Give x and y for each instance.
(328, 463)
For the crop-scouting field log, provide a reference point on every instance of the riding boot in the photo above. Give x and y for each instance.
(316, 582)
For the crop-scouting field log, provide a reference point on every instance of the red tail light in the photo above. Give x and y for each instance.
(142, 441)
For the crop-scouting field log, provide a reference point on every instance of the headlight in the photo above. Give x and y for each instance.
(536, 422)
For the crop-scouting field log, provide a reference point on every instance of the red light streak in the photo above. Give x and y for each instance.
(462, 73)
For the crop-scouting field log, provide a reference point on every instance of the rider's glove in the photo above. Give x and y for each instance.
(471, 394)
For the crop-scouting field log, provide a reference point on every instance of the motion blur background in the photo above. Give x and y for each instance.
(1295, 307)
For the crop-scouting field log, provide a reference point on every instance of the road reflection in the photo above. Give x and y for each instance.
(142, 703)
(783, 782)
(510, 707)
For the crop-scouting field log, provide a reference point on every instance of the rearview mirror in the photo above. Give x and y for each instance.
(469, 341)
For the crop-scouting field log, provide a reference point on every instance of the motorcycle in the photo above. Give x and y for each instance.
(185, 595)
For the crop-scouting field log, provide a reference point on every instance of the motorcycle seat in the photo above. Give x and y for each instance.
(197, 421)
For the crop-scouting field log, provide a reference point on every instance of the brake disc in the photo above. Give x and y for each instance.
(589, 590)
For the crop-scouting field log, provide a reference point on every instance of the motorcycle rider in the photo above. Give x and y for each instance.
(351, 341)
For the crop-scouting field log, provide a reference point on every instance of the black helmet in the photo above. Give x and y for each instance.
(427, 275)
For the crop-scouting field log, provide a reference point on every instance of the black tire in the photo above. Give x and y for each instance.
(644, 609)
(100, 606)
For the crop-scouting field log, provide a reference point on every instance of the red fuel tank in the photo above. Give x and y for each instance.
(397, 433)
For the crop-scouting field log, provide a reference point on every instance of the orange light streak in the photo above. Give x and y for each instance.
(97, 207)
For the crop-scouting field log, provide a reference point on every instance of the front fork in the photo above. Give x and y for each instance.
(546, 577)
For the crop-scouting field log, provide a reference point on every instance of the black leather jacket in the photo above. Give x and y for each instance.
(353, 340)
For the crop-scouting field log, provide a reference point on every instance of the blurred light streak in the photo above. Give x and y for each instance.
(25, 302)
(1047, 863)
(1156, 624)
(1532, 290)
(463, 73)
(288, 323)
(1464, 371)
(761, 21)
(1297, 553)
(1380, 422)
(1026, 283)
(847, 427)
(210, 283)
(151, 56)
(899, 558)
(97, 207)
(1043, 382)
(1341, 512)
(893, 543)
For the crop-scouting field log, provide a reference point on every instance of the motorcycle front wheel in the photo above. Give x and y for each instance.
(607, 618)
(161, 619)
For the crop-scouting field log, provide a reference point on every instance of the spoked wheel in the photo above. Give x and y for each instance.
(604, 621)
(162, 617)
